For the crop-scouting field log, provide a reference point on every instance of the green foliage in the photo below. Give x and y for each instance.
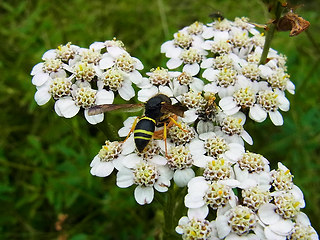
(45, 159)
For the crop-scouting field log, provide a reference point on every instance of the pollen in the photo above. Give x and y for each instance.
(287, 206)
(60, 87)
(244, 97)
(145, 174)
(253, 162)
(255, 197)
(84, 71)
(217, 195)
(113, 79)
(110, 151)
(197, 229)
(217, 170)
(85, 97)
(268, 100)
(232, 126)
(242, 220)
(52, 65)
(191, 55)
(90, 56)
(179, 157)
(125, 63)
(183, 40)
(65, 52)
(159, 76)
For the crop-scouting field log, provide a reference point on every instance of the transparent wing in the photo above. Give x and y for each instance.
(112, 107)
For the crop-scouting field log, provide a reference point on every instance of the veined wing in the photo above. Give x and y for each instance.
(112, 107)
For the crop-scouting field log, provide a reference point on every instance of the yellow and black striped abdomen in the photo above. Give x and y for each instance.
(143, 132)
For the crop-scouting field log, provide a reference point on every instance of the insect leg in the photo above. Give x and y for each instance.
(132, 128)
(174, 122)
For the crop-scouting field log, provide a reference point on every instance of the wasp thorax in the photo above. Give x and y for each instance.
(84, 71)
(197, 229)
(287, 205)
(182, 40)
(253, 162)
(125, 63)
(181, 134)
(85, 97)
(255, 197)
(232, 125)
(244, 97)
(52, 65)
(145, 174)
(179, 157)
(268, 100)
(191, 55)
(90, 56)
(195, 28)
(223, 62)
(251, 71)
(242, 220)
(65, 52)
(215, 146)
(218, 195)
(60, 87)
(219, 169)
(159, 76)
(221, 47)
(113, 79)
(279, 79)
(282, 180)
(110, 151)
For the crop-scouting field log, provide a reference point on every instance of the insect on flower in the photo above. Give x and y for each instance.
(159, 111)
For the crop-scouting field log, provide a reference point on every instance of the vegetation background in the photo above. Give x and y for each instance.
(44, 159)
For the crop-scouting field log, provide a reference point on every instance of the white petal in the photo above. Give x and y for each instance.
(104, 97)
(131, 160)
(227, 103)
(182, 177)
(246, 137)
(95, 160)
(40, 78)
(174, 63)
(128, 146)
(276, 118)
(143, 195)
(103, 169)
(192, 69)
(201, 160)
(267, 214)
(126, 92)
(115, 51)
(138, 64)
(135, 77)
(42, 96)
(196, 147)
(125, 178)
(159, 160)
(207, 63)
(198, 213)
(282, 227)
(284, 103)
(94, 119)
(36, 68)
(210, 74)
(190, 116)
(222, 226)
(146, 93)
(257, 113)
(97, 46)
(270, 235)
(67, 107)
(106, 62)
(49, 54)
(205, 126)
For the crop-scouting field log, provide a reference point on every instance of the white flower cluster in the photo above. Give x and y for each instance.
(82, 78)
(214, 73)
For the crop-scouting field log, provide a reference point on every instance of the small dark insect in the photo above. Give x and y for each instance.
(157, 111)
(217, 15)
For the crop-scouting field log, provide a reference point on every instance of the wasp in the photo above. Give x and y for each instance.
(157, 113)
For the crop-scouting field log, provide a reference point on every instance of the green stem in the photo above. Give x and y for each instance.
(168, 216)
(270, 33)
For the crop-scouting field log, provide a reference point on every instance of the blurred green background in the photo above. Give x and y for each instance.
(44, 159)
